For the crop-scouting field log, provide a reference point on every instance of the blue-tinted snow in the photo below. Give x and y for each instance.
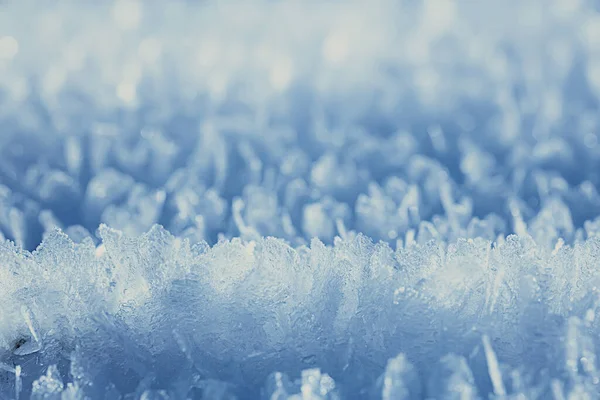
(303, 200)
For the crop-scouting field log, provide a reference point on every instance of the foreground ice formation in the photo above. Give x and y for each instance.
(295, 200)
(135, 314)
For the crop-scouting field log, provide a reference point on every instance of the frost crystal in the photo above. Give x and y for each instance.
(300, 200)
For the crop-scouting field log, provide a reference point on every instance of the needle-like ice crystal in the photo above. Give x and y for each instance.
(300, 200)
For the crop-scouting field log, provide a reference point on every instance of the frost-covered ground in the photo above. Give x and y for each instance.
(384, 199)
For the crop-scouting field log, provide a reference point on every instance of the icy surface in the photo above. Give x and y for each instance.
(300, 200)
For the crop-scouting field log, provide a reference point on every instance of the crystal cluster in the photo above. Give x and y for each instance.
(300, 200)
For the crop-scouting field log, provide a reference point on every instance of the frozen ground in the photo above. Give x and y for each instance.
(300, 199)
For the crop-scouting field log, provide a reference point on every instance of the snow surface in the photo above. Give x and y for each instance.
(379, 199)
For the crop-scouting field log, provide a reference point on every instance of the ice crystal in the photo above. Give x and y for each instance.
(299, 200)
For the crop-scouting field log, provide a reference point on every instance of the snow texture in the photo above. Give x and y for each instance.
(383, 199)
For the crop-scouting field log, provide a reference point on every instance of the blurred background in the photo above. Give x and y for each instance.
(294, 104)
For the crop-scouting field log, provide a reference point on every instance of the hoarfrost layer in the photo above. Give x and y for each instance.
(345, 200)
